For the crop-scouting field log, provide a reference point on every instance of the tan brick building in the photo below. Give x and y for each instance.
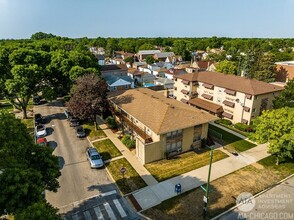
(159, 125)
(229, 96)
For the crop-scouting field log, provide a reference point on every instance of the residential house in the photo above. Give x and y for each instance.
(116, 82)
(145, 69)
(120, 56)
(174, 59)
(159, 72)
(113, 69)
(198, 66)
(139, 64)
(142, 54)
(97, 50)
(165, 82)
(100, 58)
(163, 55)
(174, 72)
(159, 125)
(284, 71)
(140, 77)
(233, 97)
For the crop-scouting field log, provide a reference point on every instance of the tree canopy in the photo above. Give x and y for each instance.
(48, 63)
(227, 67)
(276, 127)
(27, 169)
(88, 97)
(286, 98)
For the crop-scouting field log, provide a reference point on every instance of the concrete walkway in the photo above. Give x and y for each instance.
(141, 170)
(153, 195)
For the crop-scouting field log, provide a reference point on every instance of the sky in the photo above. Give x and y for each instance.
(20, 19)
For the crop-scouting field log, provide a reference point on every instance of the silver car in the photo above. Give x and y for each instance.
(94, 158)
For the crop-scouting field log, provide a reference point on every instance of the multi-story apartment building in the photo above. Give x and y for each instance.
(160, 125)
(233, 97)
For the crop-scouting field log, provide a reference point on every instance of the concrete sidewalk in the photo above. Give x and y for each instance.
(153, 195)
(141, 170)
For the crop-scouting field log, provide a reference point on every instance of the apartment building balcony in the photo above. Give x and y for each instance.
(126, 121)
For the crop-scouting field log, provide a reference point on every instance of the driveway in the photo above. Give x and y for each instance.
(79, 184)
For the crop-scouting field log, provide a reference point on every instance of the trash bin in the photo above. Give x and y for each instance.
(178, 188)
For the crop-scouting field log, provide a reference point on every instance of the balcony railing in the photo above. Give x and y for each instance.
(134, 127)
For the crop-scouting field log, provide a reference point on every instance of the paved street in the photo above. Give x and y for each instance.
(79, 184)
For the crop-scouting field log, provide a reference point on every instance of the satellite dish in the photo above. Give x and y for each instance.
(237, 100)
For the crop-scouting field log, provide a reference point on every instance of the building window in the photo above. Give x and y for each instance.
(174, 134)
(197, 133)
(126, 86)
(114, 88)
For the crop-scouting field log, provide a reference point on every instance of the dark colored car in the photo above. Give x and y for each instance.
(94, 158)
(42, 141)
(67, 114)
(39, 119)
(80, 132)
(36, 100)
(74, 122)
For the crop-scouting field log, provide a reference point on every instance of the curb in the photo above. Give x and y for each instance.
(254, 196)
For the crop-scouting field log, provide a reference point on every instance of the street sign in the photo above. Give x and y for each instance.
(205, 199)
(123, 170)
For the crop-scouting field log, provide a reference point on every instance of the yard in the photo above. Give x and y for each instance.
(92, 133)
(232, 142)
(107, 149)
(165, 169)
(253, 178)
(131, 180)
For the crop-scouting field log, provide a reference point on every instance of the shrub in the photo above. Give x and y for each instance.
(111, 122)
(243, 127)
(223, 121)
(127, 140)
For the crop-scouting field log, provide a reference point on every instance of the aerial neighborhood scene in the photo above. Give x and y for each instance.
(146, 110)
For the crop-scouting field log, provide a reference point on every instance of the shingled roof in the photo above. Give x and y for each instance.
(157, 112)
(237, 83)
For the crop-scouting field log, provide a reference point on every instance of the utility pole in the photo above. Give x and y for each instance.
(205, 198)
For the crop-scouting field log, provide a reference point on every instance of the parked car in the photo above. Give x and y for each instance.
(36, 100)
(42, 141)
(67, 114)
(39, 119)
(80, 132)
(74, 122)
(40, 131)
(94, 158)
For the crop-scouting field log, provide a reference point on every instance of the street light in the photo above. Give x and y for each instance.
(94, 116)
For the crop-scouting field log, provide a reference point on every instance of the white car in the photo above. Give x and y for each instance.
(40, 131)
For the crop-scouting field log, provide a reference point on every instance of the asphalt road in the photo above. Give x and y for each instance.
(81, 188)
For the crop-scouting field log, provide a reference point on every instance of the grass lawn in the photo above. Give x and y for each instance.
(131, 181)
(232, 142)
(246, 134)
(253, 178)
(30, 125)
(91, 133)
(6, 105)
(107, 149)
(165, 169)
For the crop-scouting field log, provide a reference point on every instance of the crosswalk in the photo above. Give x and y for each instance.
(107, 210)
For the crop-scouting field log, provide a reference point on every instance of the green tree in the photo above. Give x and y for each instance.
(88, 97)
(266, 68)
(227, 67)
(276, 127)
(150, 59)
(146, 46)
(286, 98)
(27, 170)
(39, 211)
(41, 35)
(24, 82)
